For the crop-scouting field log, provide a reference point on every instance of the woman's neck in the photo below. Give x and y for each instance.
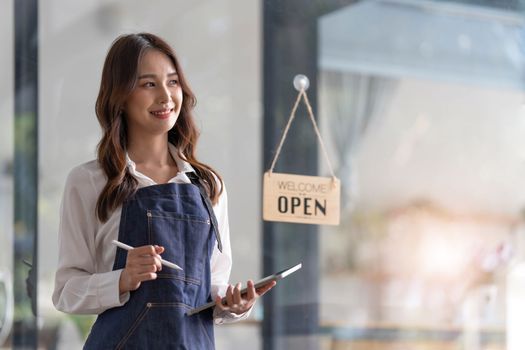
(152, 151)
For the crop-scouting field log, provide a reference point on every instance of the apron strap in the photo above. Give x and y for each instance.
(197, 181)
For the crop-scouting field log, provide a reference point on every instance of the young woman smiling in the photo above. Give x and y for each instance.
(148, 190)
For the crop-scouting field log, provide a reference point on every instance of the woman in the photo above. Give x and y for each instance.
(147, 190)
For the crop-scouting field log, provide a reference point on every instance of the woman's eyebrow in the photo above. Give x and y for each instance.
(144, 76)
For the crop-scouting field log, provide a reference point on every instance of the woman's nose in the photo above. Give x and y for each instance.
(164, 95)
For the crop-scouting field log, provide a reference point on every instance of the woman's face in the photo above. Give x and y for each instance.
(154, 105)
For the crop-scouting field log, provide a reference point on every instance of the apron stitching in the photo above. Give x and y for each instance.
(149, 225)
(198, 182)
(144, 313)
(133, 327)
(160, 195)
(205, 331)
(182, 218)
(180, 278)
(186, 306)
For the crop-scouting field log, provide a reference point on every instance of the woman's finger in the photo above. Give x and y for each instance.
(150, 261)
(237, 294)
(159, 250)
(229, 295)
(147, 276)
(140, 270)
(251, 294)
(248, 305)
(132, 280)
(145, 255)
(237, 303)
(143, 250)
(142, 263)
(219, 304)
(262, 290)
(146, 269)
(146, 251)
(137, 267)
(143, 260)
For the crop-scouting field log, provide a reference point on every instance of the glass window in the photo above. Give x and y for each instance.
(6, 172)
(424, 117)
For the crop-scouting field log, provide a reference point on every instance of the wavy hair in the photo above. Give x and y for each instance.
(119, 77)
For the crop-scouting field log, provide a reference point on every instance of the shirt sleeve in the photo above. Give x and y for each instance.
(221, 263)
(79, 288)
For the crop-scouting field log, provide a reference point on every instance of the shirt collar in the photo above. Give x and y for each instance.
(182, 165)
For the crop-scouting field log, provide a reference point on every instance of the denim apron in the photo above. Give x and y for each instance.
(180, 218)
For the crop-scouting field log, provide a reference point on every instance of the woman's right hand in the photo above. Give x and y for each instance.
(142, 264)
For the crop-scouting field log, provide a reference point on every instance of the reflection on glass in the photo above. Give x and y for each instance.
(25, 171)
(425, 117)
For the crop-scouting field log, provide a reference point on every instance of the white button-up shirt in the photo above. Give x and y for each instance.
(85, 282)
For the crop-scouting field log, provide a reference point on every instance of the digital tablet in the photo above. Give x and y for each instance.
(275, 277)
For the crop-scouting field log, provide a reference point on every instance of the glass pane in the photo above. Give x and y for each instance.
(25, 172)
(424, 117)
(6, 172)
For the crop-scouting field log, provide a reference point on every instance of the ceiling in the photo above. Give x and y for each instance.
(426, 39)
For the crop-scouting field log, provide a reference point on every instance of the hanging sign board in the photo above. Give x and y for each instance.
(301, 199)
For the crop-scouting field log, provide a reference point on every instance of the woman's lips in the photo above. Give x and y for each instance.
(162, 113)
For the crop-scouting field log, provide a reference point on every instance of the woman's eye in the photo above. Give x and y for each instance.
(174, 82)
(148, 84)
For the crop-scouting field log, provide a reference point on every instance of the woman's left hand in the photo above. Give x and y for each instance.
(239, 304)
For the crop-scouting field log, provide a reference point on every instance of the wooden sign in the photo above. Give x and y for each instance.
(301, 199)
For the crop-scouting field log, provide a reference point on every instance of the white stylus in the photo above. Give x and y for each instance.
(162, 261)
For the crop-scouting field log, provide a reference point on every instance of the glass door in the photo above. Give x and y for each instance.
(422, 106)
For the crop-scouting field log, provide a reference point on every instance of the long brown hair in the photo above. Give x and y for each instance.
(119, 77)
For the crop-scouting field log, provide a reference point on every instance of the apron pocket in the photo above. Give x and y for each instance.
(165, 325)
(154, 327)
(185, 240)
